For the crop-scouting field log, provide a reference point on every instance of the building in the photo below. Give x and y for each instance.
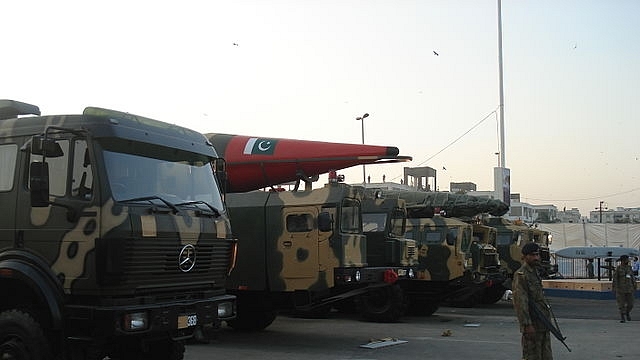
(618, 216)
(570, 216)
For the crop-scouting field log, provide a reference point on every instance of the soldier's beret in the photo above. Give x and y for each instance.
(624, 257)
(530, 248)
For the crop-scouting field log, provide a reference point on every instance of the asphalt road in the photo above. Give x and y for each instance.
(489, 332)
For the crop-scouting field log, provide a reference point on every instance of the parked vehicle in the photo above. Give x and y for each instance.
(115, 239)
(306, 251)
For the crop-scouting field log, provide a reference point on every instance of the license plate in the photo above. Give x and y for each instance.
(185, 321)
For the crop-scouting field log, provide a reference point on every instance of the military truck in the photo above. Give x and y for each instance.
(115, 239)
(511, 237)
(486, 235)
(452, 266)
(384, 224)
(305, 250)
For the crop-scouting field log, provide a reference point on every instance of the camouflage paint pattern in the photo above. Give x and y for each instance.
(485, 238)
(439, 241)
(510, 240)
(140, 246)
(384, 224)
(302, 258)
(512, 236)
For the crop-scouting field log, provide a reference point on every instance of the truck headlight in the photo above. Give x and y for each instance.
(135, 321)
(225, 309)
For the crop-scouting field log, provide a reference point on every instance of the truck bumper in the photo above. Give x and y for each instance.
(371, 275)
(173, 319)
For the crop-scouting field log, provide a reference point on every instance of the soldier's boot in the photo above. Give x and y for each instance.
(622, 317)
(628, 317)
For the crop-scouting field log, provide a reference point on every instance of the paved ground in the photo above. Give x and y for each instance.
(490, 332)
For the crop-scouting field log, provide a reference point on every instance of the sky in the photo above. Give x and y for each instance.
(304, 69)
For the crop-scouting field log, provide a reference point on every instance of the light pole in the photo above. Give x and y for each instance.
(600, 209)
(361, 119)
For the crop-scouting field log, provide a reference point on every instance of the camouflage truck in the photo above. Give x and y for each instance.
(305, 250)
(115, 241)
(544, 238)
(384, 224)
(511, 237)
(487, 235)
(453, 268)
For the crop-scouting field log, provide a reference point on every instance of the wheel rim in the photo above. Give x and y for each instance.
(13, 349)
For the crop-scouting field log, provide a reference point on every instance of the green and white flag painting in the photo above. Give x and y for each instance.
(258, 146)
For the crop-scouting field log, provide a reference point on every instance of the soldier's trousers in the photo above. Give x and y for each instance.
(625, 301)
(538, 348)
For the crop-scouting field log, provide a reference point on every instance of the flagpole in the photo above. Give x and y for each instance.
(503, 163)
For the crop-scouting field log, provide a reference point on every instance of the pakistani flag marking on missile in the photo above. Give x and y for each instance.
(258, 146)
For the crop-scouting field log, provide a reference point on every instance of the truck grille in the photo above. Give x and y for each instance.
(491, 260)
(154, 262)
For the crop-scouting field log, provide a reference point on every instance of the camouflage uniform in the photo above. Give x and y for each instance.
(527, 286)
(624, 285)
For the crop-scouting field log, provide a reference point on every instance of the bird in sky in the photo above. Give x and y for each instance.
(435, 53)
(235, 44)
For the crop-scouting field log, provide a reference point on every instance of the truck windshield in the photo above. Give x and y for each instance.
(143, 170)
(374, 222)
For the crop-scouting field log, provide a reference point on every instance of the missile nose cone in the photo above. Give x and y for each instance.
(392, 151)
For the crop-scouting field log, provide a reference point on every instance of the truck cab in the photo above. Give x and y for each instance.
(116, 239)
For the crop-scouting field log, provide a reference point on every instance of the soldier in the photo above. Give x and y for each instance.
(590, 272)
(624, 285)
(527, 291)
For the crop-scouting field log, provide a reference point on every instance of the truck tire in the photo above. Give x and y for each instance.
(419, 306)
(21, 337)
(384, 304)
(321, 312)
(492, 294)
(346, 306)
(252, 320)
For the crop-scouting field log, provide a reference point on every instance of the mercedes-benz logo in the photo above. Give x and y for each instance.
(187, 258)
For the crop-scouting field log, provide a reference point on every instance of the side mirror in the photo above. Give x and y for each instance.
(325, 222)
(220, 172)
(46, 147)
(39, 184)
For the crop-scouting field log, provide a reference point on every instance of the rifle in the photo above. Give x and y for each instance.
(555, 330)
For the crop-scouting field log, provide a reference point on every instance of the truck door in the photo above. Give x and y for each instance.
(64, 232)
(299, 243)
(8, 189)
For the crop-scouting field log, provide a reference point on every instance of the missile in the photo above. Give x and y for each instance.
(257, 162)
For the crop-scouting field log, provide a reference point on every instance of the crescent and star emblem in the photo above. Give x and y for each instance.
(264, 145)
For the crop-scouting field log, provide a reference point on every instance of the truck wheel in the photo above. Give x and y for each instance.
(321, 312)
(21, 337)
(492, 294)
(252, 320)
(422, 308)
(466, 300)
(384, 304)
(347, 306)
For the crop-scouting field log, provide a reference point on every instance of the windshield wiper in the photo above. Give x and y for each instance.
(214, 211)
(154, 197)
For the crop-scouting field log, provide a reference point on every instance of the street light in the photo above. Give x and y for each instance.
(600, 209)
(361, 118)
